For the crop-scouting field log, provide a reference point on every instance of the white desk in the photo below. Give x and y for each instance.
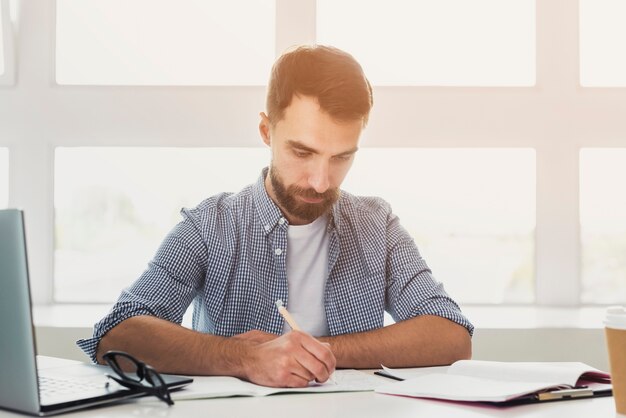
(342, 405)
(332, 405)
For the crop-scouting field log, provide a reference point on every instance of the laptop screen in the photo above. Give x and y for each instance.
(18, 370)
(19, 386)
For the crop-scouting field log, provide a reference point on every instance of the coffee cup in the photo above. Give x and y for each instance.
(615, 329)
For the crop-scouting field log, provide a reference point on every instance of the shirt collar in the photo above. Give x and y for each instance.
(270, 215)
(334, 217)
(267, 210)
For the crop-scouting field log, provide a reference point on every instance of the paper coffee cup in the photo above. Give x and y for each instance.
(615, 323)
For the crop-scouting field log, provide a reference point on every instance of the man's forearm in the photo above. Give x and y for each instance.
(421, 341)
(171, 348)
(290, 360)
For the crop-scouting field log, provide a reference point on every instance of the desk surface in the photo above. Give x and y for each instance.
(342, 405)
(332, 405)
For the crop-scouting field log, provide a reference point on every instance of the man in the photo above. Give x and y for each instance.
(336, 260)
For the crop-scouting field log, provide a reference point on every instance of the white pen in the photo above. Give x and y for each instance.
(285, 313)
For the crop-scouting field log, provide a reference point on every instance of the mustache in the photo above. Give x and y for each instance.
(312, 194)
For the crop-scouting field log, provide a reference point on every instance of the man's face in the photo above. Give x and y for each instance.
(311, 155)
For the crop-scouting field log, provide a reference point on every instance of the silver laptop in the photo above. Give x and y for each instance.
(61, 386)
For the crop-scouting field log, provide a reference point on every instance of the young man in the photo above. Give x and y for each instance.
(337, 261)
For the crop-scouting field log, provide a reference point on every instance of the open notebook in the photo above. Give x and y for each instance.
(204, 387)
(502, 382)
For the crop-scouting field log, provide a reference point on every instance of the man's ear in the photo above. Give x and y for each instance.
(264, 128)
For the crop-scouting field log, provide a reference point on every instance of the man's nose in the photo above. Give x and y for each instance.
(319, 178)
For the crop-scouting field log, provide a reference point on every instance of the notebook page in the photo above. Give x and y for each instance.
(550, 372)
(344, 381)
(462, 388)
(411, 372)
(204, 387)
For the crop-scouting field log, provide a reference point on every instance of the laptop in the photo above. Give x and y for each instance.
(61, 385)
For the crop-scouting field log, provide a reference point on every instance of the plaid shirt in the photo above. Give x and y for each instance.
(228, 258)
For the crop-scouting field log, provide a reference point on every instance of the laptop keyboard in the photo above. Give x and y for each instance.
(53, 386)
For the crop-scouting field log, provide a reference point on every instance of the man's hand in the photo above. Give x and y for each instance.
(291, 360)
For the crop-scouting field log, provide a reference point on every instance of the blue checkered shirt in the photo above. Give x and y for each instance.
(228, 257)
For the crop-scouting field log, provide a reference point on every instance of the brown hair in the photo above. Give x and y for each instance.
(329, 74)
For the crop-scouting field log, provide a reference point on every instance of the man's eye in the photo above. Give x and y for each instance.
(344, 157)
(301, 154)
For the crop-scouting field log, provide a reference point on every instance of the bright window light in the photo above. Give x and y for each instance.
(114, 206)
(435, 42)
(164, 42)
(4, 177)
(602, 43)
(470, 211)
(603, 225)
(1, 43)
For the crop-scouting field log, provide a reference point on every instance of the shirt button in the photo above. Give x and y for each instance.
(267, 227)
(281, 221)
(278, 251)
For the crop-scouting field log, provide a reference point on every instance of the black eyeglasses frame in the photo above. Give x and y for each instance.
(144, 372)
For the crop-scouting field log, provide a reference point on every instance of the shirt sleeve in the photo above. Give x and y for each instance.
(412, 290)
(166, 288)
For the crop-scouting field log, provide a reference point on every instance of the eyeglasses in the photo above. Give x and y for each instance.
(140, 376)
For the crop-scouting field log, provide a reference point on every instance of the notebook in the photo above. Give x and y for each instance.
(502, 383)
(345, 380)
(57, 388)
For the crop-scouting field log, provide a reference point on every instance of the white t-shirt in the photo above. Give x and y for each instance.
(307, 265)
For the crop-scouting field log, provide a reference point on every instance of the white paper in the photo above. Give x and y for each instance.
(555, 372)
(475, 380)
(409, 373)
(461, 388)
(223, 386)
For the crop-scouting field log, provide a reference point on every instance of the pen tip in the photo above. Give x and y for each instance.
(279, 303)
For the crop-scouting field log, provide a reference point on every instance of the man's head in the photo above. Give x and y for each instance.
(330, 75)
(318, 102)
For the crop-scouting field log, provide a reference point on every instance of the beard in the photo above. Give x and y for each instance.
(288, 201)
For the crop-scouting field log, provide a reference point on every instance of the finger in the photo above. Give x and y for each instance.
(321, 351)
(302, 371)
(297, 381)
(285, 372)
(316, 368)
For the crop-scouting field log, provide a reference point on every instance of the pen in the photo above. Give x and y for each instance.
(576, 392)
(285, 313)
(388, 376)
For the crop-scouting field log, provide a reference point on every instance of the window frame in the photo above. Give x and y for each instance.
(4, 170)
(556, 117)
(7, 78)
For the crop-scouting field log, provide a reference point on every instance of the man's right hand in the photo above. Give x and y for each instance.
(291, 360)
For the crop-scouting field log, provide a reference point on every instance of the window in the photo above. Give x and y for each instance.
(602, 43)
(112, 217)
(428, 42)
(8, 18)
(458, 44)
(603, 224)
(1, 42)
(164, 42)
(470, 211)
(468, 222)
(4, 177)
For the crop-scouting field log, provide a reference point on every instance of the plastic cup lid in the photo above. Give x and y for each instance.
(615, 317)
